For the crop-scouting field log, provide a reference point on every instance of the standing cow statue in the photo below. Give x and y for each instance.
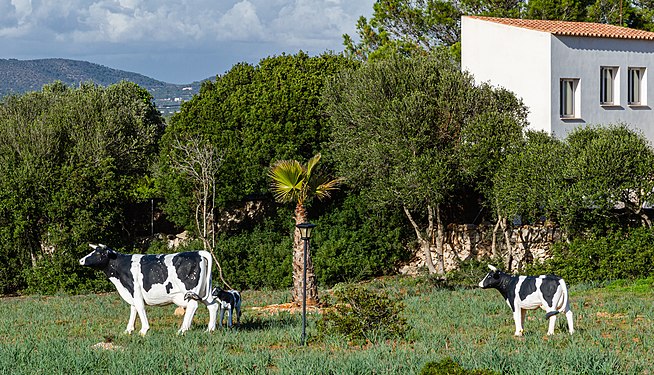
(531, 292)
(182, 278)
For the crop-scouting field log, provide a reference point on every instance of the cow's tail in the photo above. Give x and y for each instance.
(551, 313)
(565, 307)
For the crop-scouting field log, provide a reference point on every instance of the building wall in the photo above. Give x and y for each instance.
(514, 58)
(576, 57)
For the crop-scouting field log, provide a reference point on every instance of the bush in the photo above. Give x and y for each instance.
(354, 242)
(258, 259)
(361, 314)
(62, 274)
(447, 366)
(618, 255)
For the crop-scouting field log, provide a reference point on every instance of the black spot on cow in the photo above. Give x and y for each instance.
(548, 288)
(169, 286)
(188, 268)
(120, 267)
(508, 290)
(154, 271)
(528, 287)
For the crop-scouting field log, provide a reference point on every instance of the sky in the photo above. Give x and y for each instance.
(177, 41)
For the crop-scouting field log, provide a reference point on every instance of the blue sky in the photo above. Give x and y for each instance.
(175, 41)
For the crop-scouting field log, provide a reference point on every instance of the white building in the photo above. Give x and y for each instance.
(569, 74)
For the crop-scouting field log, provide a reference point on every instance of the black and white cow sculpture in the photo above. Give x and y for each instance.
(229, 300)
(182, 278)
(531, 292)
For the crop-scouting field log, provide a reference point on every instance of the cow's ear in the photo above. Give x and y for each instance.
(112, 254)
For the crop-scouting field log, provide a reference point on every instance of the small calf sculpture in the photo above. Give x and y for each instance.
(229, 300)
(531, 292)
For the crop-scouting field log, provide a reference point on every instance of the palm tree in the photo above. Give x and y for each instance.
(297, 183)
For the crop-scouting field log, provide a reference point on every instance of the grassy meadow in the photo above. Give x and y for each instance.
(57, 334)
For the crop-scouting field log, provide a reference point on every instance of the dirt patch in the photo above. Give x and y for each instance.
(290, 307)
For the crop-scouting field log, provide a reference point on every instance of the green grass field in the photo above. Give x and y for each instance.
(56, 335)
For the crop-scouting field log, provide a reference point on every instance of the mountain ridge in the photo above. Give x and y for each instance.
(21, 76)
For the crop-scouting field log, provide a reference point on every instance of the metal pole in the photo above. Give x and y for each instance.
(304, 294)
(152, 216)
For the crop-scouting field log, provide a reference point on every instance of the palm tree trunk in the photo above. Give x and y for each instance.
(298, 264)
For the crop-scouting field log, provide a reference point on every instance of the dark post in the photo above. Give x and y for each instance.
(305, 234)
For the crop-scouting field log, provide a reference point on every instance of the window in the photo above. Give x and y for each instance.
(636, 91)
(569, 100)
(608, 85)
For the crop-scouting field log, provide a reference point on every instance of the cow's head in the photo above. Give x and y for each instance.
(492, 279)
(99, 257)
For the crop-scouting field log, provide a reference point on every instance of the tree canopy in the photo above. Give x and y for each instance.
(72, 160)
(413, 132)
(255, 115)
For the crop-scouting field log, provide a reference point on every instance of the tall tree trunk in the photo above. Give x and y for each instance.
(440, 239)
(425, 241)
(494, 238)
(507, 238)
(298, 264)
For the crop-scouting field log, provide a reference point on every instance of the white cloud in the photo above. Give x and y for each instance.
(118, 29)
(241, 22)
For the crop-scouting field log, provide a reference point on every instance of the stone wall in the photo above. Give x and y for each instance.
(466, 241)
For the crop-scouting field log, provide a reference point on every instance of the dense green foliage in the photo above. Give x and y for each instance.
(623, 254)
(254, 115)
(355, 242)
(72, 161)
(47, 335)
(597, 179)
(362, 315)
(417, 134)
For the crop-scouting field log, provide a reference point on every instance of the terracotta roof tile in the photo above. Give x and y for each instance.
(567, 28)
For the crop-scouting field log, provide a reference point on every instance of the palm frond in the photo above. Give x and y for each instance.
(312, 163)
(324, 190)
(287, 180)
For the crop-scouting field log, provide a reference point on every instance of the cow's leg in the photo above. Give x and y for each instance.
(517, 317)
(229, 316)
(188, 316)
(132, 319)
(213, 310)
(222, 315)
(568, 316)
(238, 314)
(139, 305)
(550, 329)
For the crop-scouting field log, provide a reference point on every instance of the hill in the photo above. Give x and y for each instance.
(20, 76)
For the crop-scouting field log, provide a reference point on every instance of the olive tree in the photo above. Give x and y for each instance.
(404, 131)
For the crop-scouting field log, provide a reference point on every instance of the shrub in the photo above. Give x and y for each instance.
(361, 314)
(354, 242)
(617, 255)
(447, 366)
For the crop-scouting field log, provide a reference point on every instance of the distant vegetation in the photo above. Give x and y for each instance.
(21, 76)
